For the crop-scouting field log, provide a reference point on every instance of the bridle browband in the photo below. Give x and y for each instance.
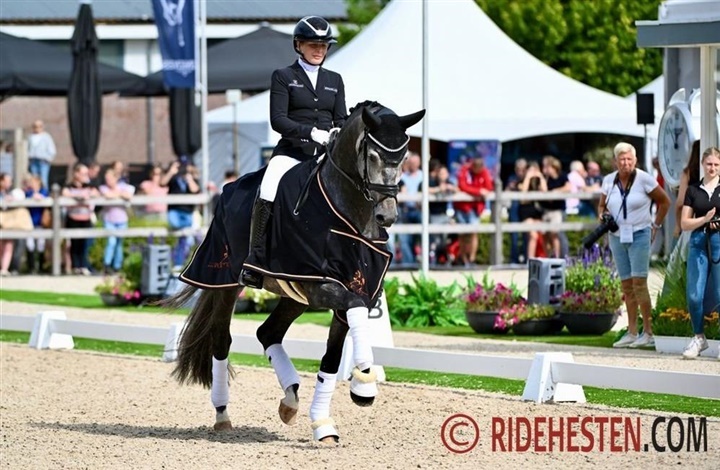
(390, 155)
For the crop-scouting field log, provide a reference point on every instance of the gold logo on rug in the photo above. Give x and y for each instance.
(357, 284)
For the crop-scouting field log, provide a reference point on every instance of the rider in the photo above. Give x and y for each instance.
(306, 103)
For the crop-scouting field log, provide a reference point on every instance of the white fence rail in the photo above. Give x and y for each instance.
(545, 376)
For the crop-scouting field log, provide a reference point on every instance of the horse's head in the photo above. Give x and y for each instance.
(379, 141)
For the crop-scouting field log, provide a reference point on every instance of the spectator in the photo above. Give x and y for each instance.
(513, 184)
(115, 218)
(626, 195)
(578, 178)
(690, 176)
(554, 210)
(41, 152)
(441, 211)
(531, 211)
(410, 212)
(79, 215)
(154, 211)
(35, 246)
(119, 168)
(594, 178)
(96, 179)
(701, 215)
(7, 158)
(179, 180)
(7, 247)
(473, 179)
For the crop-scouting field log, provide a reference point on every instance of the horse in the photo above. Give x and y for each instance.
(327, 249)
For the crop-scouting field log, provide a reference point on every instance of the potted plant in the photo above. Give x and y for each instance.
(423, 303)
(484, 300)
(244, 303)
(593, 295)
(531, 319)
(672, 329)
(117, 290)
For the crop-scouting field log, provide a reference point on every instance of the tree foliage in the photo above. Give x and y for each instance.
(592, 41)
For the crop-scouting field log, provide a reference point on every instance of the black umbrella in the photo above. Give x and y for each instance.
(33, 68)
(184, 122)
(84, 95)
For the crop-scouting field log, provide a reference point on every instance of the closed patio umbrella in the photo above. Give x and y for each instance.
(84, 93)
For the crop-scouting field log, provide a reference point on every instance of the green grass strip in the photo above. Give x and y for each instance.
(609, 397)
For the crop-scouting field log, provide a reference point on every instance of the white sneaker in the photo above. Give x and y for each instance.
(625, 341)
(644, 341)
(695, 347)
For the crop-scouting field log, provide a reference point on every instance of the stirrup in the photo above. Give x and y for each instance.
(250, 278)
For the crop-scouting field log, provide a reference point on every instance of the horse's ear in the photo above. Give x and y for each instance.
(411, 119)
(371, 121)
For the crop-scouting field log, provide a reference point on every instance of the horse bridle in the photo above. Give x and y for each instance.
(365, 186)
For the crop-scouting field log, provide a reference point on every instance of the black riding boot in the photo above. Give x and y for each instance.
(31, 266)
(262, 210)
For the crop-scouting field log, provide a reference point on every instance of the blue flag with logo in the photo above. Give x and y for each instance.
(175, 21)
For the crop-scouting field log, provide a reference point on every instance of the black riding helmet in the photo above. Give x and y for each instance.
(312, 28)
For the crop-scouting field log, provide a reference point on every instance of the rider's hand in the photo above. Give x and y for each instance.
(320, 136)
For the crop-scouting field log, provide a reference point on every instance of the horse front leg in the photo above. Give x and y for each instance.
(271, 334)
(323, 425)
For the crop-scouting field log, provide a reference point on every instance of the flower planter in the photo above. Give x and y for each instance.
(114, 300)
(537, 327)
(484, 322)
(676, 345)
(591, 323)
(268, 306)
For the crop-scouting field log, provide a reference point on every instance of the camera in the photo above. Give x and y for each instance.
(607, 224)
(708, 226)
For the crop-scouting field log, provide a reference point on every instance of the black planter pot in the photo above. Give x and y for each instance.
(114, 300)
(244, 305)
(537, 327)
(484, 322)
(592, 323)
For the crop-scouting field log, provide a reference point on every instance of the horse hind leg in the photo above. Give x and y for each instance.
(270, 334)
(221, 369)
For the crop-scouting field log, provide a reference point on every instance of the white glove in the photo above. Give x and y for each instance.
(334, 132)
(320, 136)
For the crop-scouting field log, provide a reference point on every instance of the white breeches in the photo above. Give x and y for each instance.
(35, 244)
(277, 167)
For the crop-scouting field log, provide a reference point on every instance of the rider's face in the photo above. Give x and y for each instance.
(313, 52)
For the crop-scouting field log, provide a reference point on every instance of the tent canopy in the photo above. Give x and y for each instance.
(36, 69)
(482, 85)
(244, 63)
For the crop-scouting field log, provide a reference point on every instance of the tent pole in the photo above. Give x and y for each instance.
(425, 145)
(149, 109)
(205, 177)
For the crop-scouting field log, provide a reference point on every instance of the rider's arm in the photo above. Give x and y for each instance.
(340, 110)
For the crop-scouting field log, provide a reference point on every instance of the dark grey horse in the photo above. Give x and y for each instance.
(327, 250)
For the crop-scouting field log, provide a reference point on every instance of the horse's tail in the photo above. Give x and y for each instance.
(206, 331)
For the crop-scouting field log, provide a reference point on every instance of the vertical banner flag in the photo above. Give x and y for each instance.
(175, 21)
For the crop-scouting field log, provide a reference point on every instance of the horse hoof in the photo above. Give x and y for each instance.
(223, 426)
(329, 440)
(361, 401)
(363, 387)
(288, 415)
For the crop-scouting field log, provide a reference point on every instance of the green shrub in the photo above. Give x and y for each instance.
(423, 303)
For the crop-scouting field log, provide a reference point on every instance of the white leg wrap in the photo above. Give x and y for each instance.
(360, 333)
(324, 388)
(220, 392)
(283, 366)
(277, 167)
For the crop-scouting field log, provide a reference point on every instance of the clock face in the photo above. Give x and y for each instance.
(674, 144)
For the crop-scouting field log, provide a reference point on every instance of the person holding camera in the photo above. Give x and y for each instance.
(701, 215)
(307, 104)
(624, 209)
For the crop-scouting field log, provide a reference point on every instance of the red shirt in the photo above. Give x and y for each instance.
(471, 183)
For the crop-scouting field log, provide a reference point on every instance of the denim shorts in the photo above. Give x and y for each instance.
(469, 217)
(632, 259)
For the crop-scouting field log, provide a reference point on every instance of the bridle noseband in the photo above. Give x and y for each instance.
(392, 156)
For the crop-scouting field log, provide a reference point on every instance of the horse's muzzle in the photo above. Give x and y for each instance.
(386, 220)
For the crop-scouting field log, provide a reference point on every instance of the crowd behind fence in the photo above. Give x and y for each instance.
(496, 227)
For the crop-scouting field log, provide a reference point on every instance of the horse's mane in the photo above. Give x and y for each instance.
(365, 104)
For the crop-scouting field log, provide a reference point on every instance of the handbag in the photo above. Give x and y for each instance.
(16, 219)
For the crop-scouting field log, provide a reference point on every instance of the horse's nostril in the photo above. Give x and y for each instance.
(380, 219)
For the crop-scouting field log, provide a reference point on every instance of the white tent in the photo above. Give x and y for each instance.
(482, 85)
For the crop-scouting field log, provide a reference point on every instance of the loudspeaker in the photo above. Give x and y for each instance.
(546, 280)
(645, 104)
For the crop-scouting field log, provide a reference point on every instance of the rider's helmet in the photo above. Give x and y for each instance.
(312, 28)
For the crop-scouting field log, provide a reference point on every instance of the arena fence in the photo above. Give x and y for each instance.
(548, 377)
(495, 227)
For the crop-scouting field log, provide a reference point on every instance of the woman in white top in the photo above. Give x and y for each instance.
(627, 195)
